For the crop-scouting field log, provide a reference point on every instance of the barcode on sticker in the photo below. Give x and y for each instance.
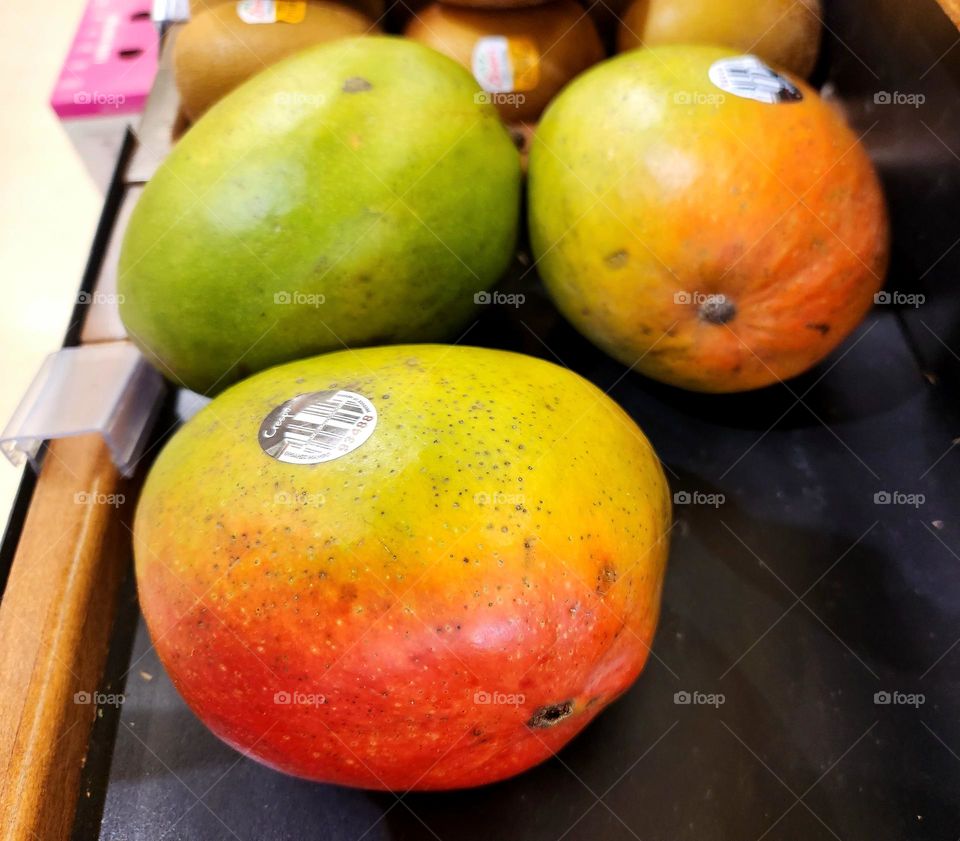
(317, 427)
(748, 77)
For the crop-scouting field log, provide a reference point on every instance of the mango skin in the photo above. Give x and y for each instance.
(352, 194)
(783, 32)
(495, 534)
(651, 190)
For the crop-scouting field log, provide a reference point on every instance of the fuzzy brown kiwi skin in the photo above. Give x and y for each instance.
(785, 38)
(495, 4)
(564, 37)
(216, 51)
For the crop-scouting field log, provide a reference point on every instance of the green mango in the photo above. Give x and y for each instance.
(357, 193)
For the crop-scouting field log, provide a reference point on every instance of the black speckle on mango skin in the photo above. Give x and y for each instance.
(550, 715)
(617, 259)
(606, 578)
(357, 84)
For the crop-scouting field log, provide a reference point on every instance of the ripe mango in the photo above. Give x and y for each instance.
(703, 219)
(355, 193)
(404, 567)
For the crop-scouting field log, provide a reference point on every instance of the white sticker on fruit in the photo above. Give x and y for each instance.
(748, 77)
(257, 11)
(491, 64)
(318, 426)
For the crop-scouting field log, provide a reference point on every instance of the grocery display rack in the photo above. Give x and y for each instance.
(805, 677)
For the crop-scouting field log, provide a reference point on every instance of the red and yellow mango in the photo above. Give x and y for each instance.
(445, 603)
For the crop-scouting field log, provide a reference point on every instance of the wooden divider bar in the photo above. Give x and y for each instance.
(55, 621)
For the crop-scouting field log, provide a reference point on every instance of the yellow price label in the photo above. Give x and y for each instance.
(525, 59)
(291, 11)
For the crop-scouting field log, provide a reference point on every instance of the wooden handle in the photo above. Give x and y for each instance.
(55, 620)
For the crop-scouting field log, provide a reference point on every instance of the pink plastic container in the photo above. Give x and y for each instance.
(111, 63)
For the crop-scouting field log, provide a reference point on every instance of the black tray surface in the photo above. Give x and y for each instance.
(797, 599)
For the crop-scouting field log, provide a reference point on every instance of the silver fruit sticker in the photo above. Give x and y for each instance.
(748, 77)
(318, 426)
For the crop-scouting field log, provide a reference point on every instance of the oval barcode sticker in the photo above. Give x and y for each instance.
(318, 426)
(748, 77)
